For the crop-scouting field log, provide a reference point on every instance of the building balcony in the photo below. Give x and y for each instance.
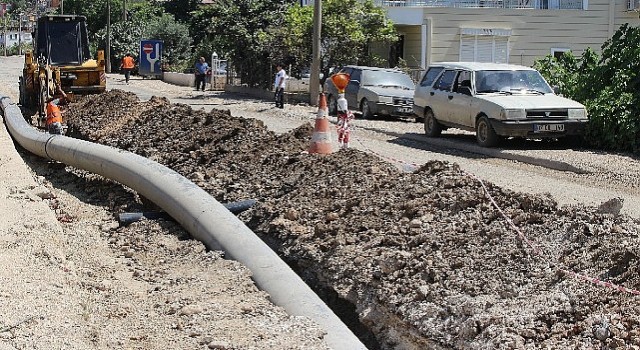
(507, 4)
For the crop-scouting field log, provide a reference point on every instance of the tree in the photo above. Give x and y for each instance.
(608, 86)
(243, 32)
(349, 27)
(125, 37)
(95, 11)
(181, 9)
(175, 36)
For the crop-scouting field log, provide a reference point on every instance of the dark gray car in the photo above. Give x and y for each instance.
(374, 91)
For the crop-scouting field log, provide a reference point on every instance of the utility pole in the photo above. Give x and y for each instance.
(108, 48)
(314, 80)
(4, 30)
(20, 33)
(62, 7)
(124, 10)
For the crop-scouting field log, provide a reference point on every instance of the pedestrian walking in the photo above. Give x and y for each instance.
(202, 69)
(127, 65)
(279, 84)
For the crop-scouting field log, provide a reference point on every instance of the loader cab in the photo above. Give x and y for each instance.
(62, 40)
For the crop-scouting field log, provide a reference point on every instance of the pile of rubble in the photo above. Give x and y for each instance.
(432, 258)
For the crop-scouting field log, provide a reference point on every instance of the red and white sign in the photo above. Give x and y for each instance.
(147, 48)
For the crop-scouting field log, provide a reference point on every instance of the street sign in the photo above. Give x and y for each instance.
(150, 58)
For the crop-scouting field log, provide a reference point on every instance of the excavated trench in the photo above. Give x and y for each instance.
(422, 259)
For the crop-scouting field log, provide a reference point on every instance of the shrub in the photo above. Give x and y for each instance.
(608, 86)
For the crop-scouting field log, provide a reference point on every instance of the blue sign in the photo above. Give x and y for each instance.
(150, 58)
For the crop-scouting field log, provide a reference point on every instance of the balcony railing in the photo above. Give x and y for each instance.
(509, 4)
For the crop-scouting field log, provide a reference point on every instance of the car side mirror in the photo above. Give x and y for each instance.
(464, 90)
(556, 89)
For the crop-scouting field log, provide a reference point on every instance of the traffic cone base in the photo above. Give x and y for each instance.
(321, 142)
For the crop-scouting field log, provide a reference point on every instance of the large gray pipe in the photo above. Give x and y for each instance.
(201, 215)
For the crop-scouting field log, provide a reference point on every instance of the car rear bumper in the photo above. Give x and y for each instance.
(526, 128)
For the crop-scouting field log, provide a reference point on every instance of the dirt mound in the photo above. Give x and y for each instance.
(426, 258)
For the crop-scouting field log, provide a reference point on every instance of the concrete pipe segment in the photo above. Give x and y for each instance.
(201, 215)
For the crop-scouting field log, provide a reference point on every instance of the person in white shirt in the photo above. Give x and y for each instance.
(279, 85)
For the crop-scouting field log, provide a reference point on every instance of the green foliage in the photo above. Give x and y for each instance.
(15, 49)
(125, 35)
(125, 38)
(608, 86)
(242, 31)
(348, 29)
(17, 6)
(175, 36)
(95, 11)
(181, 9)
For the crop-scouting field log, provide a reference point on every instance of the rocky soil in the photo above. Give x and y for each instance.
(431, 258)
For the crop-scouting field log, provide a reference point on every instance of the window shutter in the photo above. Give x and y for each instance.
(484, 48)
(467, 48)
(501, 53)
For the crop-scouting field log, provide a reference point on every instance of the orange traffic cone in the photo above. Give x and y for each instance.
(321, 139)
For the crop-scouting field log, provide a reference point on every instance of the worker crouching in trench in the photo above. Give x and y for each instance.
(54, 114)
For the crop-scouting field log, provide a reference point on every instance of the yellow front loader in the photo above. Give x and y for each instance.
(60, 58)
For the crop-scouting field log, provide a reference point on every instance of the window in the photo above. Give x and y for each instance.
(484, 45)
(430, 76)
(446, 80)
(355, 76)
(463, 79)
(558, 52)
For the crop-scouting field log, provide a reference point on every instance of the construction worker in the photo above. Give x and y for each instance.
(54, 114)
(127, 65)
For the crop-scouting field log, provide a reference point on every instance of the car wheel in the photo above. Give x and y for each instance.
(431, 126)
(364, 108)
(332, 105)
(485, 134)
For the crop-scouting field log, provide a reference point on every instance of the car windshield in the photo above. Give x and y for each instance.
(511, 81)
(388, 79)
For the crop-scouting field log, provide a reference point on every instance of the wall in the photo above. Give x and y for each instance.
(181, 79)
(267, 95)
(12, 38)
(533, 32)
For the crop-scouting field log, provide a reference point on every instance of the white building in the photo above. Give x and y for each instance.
(12, 38)
(508, 31)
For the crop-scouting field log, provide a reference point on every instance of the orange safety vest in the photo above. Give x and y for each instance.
(128, 63)
(53, 114)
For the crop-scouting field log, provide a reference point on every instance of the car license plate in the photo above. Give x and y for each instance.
(548, 127)
(405, 110)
